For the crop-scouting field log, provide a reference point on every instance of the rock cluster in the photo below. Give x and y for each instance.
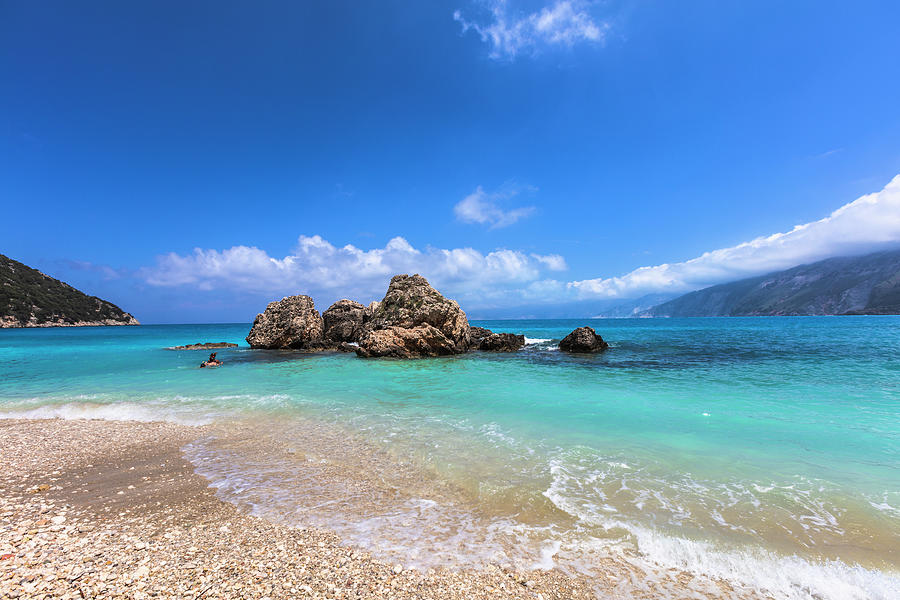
(583, 340)
(413, 320)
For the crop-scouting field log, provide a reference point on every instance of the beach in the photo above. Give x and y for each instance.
(694, 459)
(105, 509)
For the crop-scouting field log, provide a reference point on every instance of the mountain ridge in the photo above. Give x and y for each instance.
(867, 284)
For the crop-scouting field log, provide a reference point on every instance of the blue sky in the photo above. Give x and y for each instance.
(192, 161)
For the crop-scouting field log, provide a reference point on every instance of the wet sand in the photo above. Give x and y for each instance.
(102, 509)
(112, 509)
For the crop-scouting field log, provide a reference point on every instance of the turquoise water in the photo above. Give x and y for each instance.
(765, 451)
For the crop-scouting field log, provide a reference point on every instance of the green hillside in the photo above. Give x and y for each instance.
(28, 298)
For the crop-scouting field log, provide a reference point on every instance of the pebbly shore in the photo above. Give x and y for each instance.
(100, 509)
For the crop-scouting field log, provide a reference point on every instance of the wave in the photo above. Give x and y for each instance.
(118, 411)
(746, 567)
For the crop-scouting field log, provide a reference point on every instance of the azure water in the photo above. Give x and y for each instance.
(764, 451)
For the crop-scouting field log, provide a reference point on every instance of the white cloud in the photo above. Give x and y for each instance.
(866, 224)
(508, 278)
(565, 23)
(317, 267)
(554, 262)
(481, 207)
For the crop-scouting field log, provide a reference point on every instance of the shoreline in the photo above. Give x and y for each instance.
(93, 508)
(112, 509)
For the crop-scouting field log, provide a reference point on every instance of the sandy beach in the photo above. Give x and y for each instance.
(104, 509)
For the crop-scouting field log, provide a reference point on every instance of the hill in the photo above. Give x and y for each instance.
(28, 298)
(867, 284)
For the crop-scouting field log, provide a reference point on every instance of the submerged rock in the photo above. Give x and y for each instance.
(344, 321)
(291, 322)
(204, 346)
(502, 342)
(584, 340)
(413, 320)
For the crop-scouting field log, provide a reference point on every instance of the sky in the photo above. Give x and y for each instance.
(193, 161)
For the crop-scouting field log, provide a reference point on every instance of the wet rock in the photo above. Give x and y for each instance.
(291, 322)
(584, 340)
(502, 342)
(204, 346)
(413, 320)
(344, 321)
(476, 334)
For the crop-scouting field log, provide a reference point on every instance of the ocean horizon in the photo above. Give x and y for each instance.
(762, 451)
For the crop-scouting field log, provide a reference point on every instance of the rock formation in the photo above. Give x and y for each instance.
(413, 320)
(502, 342)
(291, 322)
(583, 339)
(344, 321)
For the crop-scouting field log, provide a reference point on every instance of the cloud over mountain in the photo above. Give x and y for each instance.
(868, 223)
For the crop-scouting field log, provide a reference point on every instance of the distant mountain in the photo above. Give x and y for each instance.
(28, 298)
(631, 308)
(867, 284)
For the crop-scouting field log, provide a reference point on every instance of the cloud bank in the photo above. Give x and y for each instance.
(509, 278)
(482, 208)
(866, 224)
(565, 23)
(317, 267)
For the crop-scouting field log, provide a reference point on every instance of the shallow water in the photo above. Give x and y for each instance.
(765, 451)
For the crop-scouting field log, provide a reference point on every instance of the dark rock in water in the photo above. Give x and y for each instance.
(476, 334)
(291, 322)
(344, 321)
(204, 346)
(413, 320)
(502, 342)
(583, 339)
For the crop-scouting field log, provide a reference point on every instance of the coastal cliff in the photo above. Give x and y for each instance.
(28, 298)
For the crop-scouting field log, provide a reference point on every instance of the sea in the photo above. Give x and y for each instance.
(757, 455)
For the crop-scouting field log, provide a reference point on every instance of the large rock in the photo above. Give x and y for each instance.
(344, 321)
(502, 342)
(583, 339)
(414, 319)
(291, 322)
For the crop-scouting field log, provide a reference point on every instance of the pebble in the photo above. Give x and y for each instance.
(181, 542)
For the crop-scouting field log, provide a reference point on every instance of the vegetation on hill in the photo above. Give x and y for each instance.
(28, 298)
(867, 284)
